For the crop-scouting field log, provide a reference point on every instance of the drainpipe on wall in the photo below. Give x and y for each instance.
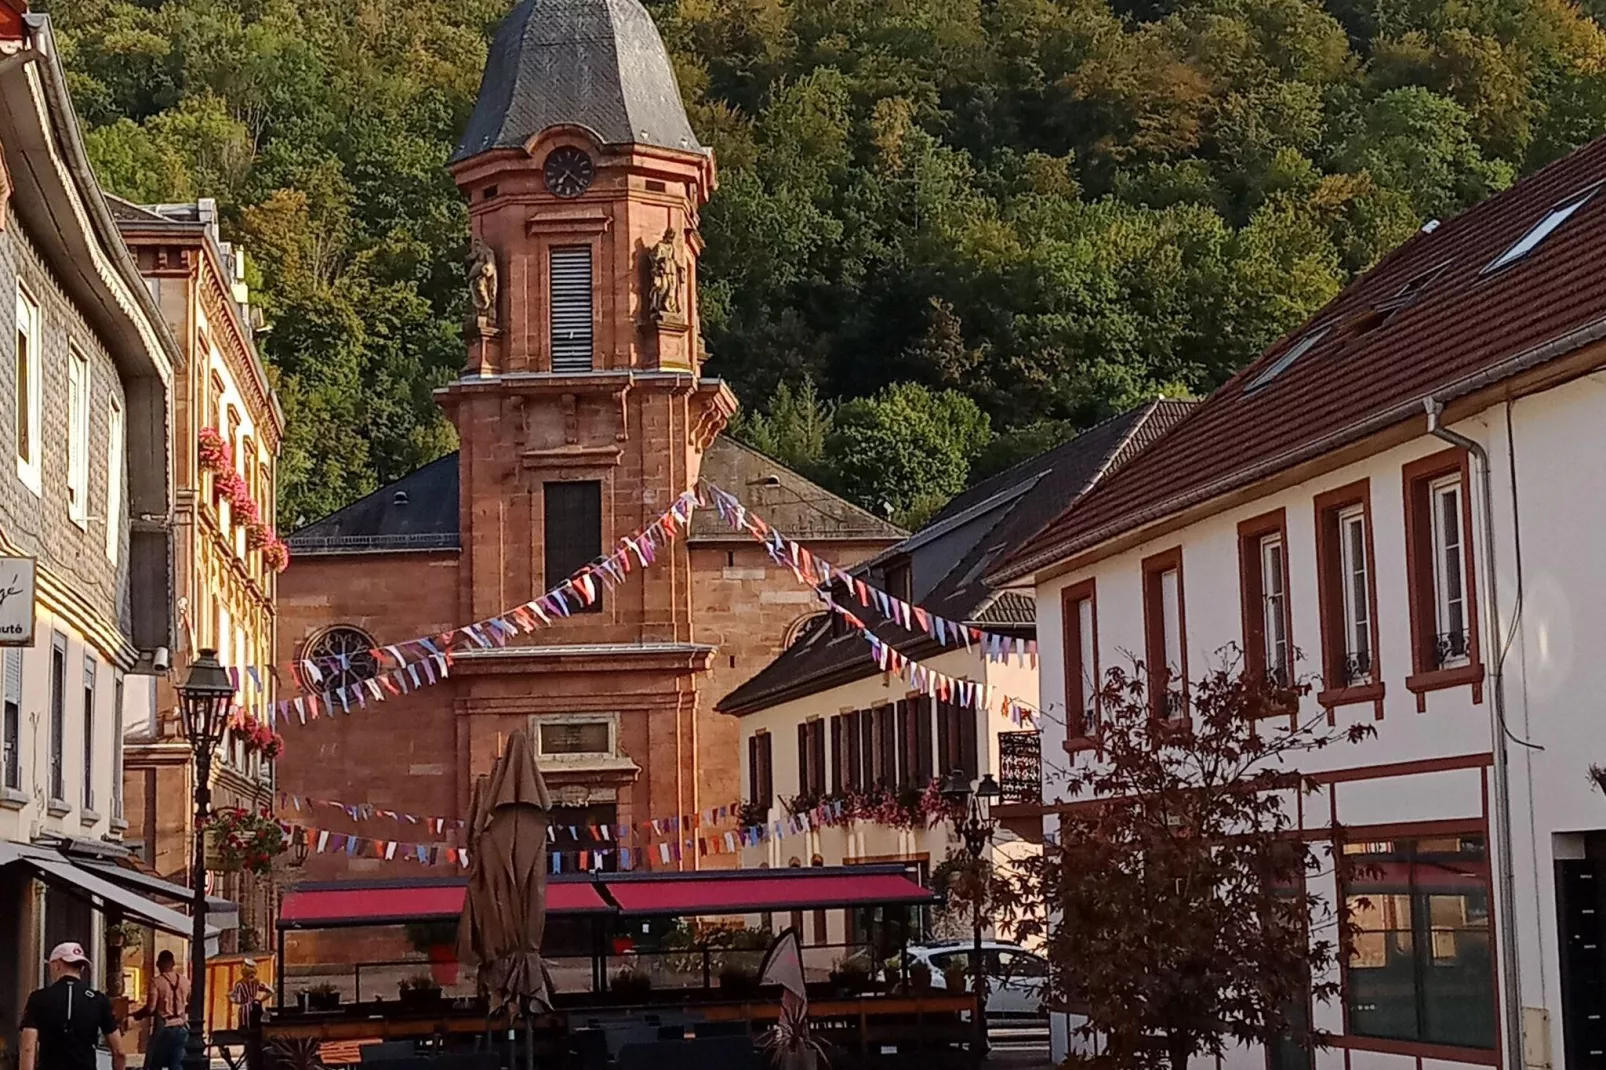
(1506, 934)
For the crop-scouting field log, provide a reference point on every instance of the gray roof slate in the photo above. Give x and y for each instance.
(599, 64)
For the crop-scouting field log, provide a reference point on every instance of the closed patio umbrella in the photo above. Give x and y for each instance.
(504, 911)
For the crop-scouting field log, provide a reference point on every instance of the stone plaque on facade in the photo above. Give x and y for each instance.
(17, 576)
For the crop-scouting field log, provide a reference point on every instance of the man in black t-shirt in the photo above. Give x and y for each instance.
(62, 1021)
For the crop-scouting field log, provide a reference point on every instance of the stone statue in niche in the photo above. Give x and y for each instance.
(664, 278)
(482, 282)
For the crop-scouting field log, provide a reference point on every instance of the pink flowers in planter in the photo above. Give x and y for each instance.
(276, 554)
(213, 452)
(256, 736)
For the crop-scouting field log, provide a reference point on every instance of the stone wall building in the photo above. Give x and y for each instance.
(85, 501)
(224, 582)
(582, 414)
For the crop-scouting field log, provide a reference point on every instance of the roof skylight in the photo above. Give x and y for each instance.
(1542, 229)
(1278, 366)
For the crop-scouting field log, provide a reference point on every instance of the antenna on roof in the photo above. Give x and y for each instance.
(1430, 226)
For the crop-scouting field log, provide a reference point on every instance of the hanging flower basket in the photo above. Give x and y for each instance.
(213, 452)
(258, 536)
(276, 555)
(237, 839)
(257, 737)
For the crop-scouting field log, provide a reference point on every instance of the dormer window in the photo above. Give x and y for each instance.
(1542, 229)
(1280, 365)
(900, 581)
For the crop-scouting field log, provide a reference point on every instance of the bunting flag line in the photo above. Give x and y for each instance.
(981, 697)
(433, 655)
(594, 833)
(819, 573)
(623, 857)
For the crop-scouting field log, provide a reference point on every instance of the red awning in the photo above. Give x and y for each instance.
(347, 904)
(753, 891)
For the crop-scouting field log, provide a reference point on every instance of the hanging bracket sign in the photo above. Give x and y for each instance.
(18, 576)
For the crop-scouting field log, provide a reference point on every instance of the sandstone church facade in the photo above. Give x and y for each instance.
(582, 413)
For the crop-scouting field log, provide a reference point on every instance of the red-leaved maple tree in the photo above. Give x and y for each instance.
(1181, 923)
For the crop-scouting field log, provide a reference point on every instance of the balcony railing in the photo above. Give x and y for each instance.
(1020, 766)
(1451, 647)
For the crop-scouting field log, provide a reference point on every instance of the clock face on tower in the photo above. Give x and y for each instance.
(568, 171)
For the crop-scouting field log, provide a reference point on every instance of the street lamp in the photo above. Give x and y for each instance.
(204, 700)
(976, 828)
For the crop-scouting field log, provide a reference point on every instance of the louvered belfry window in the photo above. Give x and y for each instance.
(570, 308)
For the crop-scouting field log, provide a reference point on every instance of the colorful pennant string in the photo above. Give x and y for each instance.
(433, 656)
(932, 683)
(817, 572)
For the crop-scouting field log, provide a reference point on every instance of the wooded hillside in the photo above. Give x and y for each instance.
(953, 230)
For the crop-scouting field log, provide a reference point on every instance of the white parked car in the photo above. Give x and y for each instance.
(1017, 979)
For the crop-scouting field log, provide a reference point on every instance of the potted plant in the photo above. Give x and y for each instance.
(920, 977)
(788, 1044)
(737, 982)
(849, 976)
(955, 979)
(323, 997)
(419, 993)
(630, 986)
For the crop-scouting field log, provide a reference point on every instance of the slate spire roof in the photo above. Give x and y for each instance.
(599, 64)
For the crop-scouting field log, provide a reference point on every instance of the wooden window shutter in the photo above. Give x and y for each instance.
(752, 769)
(804, 779)
(922, 717)
(837, 755)
(569, 309)
(817, 756)
(968, 725)
(888, 773)
(869, 770)
(853, 778)
(766, 782)
(572, 535)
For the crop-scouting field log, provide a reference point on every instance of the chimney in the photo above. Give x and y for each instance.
(12, 31)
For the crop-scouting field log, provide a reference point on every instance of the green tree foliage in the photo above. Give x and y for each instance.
(906, 450)
(1056, 208)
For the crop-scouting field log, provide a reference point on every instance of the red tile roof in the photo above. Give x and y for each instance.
(1374, 367)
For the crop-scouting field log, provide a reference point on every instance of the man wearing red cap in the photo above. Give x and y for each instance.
(63, 1020)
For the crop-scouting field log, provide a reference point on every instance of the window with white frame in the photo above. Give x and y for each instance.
(1081, 661)
(11, 721)
(1088, 670)
(1449, 571)
(78, 437)
(1164, 652)
(1273, 607)
(1356, 603)
(1171, 624)
(114, 481)
(89, 733)
(58, 719)
(28, 356)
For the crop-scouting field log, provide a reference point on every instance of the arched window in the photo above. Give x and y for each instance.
(343, 654)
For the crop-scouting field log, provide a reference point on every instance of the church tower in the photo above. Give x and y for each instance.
(581, 411)
(582, 414)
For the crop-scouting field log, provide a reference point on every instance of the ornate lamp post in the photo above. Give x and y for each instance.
(204, 700)
(976, 829)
